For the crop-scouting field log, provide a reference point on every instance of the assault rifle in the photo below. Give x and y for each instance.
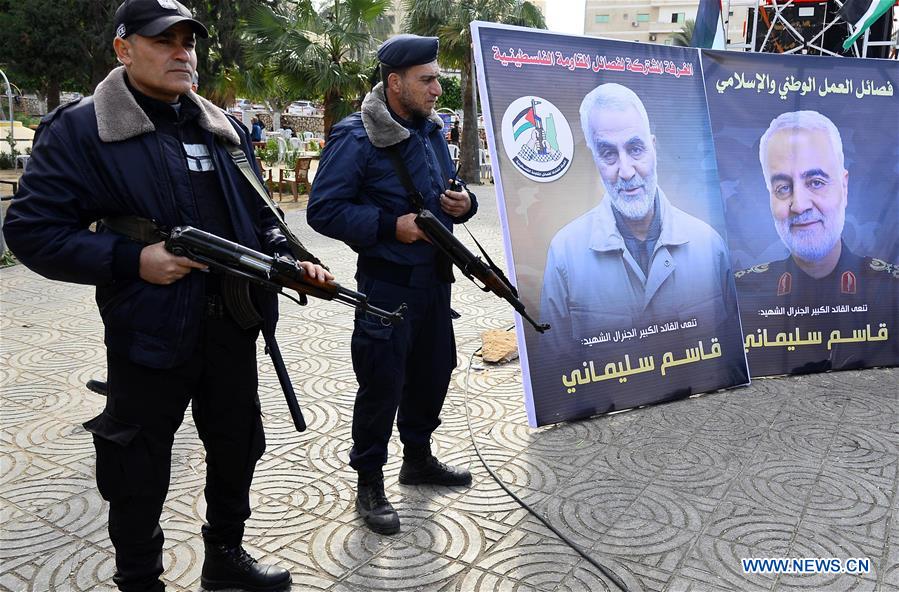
(271, 273)
(453, 251)
(472, 266)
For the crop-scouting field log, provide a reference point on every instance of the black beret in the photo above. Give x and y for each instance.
(402, 51)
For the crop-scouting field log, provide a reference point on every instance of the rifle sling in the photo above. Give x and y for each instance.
(243, 165)
(140, 230)
(416, 198)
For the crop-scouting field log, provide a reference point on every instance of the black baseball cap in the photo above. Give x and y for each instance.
(152, 17)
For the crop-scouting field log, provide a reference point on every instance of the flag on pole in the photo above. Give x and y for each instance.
(530, 121)
(708, 31)
(861, 14)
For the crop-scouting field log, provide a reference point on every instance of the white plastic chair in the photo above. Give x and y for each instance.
(454, 153)
(282, 148)
(484, 165)
(308, 136)
(296, 144)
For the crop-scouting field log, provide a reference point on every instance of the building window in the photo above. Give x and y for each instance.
(602, 18)
(678, 17)
(642, 17)
(669, 41)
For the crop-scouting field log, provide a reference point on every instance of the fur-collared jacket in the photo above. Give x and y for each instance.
(101, 156)
(357, 196)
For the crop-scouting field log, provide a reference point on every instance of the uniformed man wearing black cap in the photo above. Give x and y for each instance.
(358, 197)
(145, 147)
(801, 154)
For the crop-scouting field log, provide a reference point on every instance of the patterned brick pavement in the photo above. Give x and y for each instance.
(670, 496)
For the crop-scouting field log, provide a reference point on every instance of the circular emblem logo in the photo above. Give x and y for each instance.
(537, 139)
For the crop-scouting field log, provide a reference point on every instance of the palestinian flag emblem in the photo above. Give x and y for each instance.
(537, 139)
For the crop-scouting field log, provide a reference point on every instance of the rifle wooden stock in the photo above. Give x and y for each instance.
(471, 265)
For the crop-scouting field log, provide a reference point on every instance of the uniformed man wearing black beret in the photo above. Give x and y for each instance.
(358, 197)
(802, 159)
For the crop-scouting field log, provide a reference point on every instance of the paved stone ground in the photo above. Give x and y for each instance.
(670, 497)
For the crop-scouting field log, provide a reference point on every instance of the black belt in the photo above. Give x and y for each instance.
(410, 276)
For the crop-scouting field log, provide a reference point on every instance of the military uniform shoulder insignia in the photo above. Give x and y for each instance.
(785, 284)
(848, 283)
(879, 265)
(760, 268)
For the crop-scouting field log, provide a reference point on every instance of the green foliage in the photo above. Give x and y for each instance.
(42, 49)
(223, 56)
(452, 93)
(53, 44)
(8, 259)
(268, 153)
(8, 160)
(683, 37)
(449, 20)
(26, 119)
(321, 54)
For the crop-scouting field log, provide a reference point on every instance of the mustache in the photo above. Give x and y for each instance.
(806, 217)
(634, 182)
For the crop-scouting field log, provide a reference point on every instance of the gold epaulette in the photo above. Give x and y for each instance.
(881, 265)
(760, 268)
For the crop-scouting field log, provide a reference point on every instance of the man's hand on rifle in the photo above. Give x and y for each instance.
(455, 203)
(315, 272)
(407, 231)
(159, 266)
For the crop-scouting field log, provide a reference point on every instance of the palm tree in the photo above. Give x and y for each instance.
(263, 84)
(324, 53)
(684, 37)
(449, 21)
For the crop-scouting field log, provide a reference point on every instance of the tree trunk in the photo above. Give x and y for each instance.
(330, 102)
(470, 143)
(52, 95)
(99, 70)
(276, 119)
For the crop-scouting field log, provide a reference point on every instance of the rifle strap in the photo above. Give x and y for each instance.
(296, 247)
(496, 269)
(403, 173)
(417, 200)
(140, 230)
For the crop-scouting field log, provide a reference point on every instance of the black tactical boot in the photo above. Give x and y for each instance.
(420, 467)
(232, 567)
(372, 504)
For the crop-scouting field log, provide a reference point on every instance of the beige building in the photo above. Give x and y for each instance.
(651, 21)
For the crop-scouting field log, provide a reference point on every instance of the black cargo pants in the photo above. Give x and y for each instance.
(133, 438)
(403, 370)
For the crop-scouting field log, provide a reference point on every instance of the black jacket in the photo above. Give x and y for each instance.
(357, 195)
(102, 156)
